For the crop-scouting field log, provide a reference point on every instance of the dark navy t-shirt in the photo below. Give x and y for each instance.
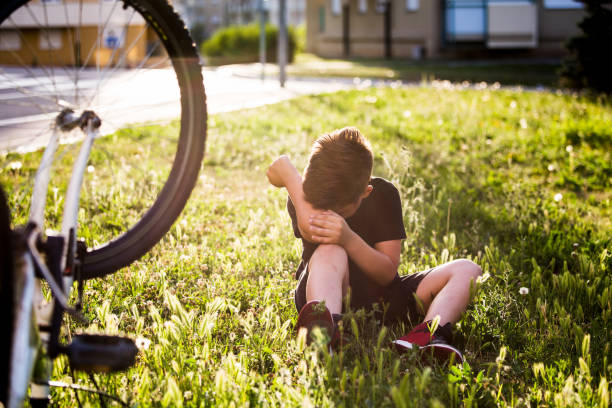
(378, 218)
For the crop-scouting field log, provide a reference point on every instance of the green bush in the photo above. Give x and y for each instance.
(239, 44)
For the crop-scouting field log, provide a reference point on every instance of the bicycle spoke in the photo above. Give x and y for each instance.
(78, 44)
(99, 44)
(119, 62)
(27, 92)
(138, 69)
(89, 54)
(123, 36)
(49, 48)
(32, 52)
(72, 44)
(46, 30)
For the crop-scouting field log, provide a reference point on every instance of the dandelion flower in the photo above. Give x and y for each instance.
(142, 343)
(569, 148)
(558, 197)
(90, 169)
(15, 165)
(524, 291)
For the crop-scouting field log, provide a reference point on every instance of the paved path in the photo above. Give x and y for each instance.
(30, 101)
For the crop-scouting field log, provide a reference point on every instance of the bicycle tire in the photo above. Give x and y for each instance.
(6, 296)
(157, 220)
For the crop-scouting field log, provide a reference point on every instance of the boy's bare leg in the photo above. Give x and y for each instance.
(445, 291)
(328, 277)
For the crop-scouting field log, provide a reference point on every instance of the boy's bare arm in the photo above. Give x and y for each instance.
(282, 173)
(379, 263)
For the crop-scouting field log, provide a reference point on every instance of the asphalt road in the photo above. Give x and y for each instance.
(31, 98)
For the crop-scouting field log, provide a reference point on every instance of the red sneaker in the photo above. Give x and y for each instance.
(315, 314)
(432, 345)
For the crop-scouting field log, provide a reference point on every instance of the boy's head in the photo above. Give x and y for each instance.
(339, 170)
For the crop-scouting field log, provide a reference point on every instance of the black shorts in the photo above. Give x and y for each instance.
(396, 301)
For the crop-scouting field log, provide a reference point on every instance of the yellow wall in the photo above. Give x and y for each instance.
(31, 53)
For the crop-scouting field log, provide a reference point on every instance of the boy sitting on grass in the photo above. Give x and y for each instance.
(351, 227)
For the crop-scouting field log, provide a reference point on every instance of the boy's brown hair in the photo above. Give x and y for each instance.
(339, 169)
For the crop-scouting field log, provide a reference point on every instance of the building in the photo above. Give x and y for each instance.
(439, 28)
(296, 12)
(124, 39)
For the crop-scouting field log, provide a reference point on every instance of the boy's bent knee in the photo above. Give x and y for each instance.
(468, 268)
(330, 253)
(330, 250)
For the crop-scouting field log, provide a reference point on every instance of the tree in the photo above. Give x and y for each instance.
(589, 60)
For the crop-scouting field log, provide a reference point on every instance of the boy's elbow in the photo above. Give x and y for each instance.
(304, 233)
(388, 276)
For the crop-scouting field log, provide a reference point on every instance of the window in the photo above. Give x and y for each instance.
(363, 6)
(50, 39)
(336, 7)
(412, 5)
(112, 37)
(9, 40)
(321, 19)
(562, 4)
(381, 5)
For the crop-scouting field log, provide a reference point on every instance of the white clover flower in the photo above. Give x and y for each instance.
(551, 167)
(90, 169)
(407, 113)
(371, 99)
(188, 395)
(142, 343)
(524, 291)
(523, 123)
(15, 165)
(569, 148)
(513, 105)
(558, 197)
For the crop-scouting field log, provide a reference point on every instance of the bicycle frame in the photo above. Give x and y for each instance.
(34, 311)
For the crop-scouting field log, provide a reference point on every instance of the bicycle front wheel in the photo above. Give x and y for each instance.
(135, 65)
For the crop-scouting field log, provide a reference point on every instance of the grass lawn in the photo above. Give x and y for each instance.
(506, 73)
(519, 182)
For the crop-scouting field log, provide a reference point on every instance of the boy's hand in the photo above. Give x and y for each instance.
(330, 228)
(278, 169)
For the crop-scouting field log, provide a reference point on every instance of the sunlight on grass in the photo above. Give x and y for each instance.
(520, 182)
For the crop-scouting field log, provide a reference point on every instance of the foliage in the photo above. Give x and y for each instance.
(588, 64)
(241, 43)
(520, 182)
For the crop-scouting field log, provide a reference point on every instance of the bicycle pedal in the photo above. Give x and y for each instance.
(101, 353)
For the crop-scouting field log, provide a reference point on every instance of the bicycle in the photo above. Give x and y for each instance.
(116, 49)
